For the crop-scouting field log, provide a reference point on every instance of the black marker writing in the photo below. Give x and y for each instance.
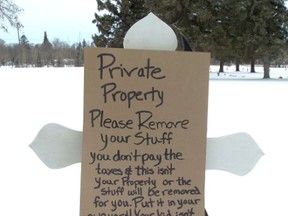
(107, 66)
(112, 94)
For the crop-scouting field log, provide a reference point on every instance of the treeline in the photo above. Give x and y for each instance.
(47, 54)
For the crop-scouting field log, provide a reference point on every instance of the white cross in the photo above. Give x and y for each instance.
(59, 147)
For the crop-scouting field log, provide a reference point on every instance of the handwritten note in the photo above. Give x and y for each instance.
(145, 116)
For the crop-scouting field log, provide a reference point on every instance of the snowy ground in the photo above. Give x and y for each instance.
(229, 73)
(33, 97)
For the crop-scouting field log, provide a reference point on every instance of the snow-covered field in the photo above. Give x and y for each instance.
(229, 73)
(33, 97)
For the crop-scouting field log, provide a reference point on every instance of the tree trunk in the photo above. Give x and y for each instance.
(252, 69)
(221, 69)
(266, 65)
(237, 65)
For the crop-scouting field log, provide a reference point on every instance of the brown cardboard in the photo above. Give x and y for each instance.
(133, 99)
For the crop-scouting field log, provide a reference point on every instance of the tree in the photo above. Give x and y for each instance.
(24, 40)
(204, 23)
(220, 33)
(273, 33)
(46, 41)
(243, 30)
(114, 19)
(46, 51)
(58, 52)
(261, 31)
(79, 58)
(4, 56)
(24, 51)
(9, 13)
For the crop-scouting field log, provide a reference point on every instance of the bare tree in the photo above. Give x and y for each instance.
(9, 12)
(4, 56)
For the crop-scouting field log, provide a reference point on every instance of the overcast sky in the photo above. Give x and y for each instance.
(68, 20)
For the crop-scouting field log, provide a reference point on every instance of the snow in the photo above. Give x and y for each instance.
(244, 73)
(260, 109)
(33, 97)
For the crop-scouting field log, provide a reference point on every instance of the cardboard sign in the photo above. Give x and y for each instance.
(145, 119)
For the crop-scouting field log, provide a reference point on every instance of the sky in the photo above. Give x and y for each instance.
(67, 20)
